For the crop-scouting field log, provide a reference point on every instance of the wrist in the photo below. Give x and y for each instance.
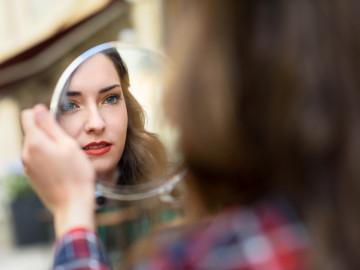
(76, 214)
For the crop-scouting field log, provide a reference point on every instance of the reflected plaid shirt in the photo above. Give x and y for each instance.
(267, 236)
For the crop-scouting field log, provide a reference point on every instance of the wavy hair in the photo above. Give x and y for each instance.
(268, 100)
(144, 156)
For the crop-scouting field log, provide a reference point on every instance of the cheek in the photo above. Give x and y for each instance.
(120, 125)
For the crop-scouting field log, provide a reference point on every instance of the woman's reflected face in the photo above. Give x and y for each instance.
(95, 113)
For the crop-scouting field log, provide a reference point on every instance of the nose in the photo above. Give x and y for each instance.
(94, 123)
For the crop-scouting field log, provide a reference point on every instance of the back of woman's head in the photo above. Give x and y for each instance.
(267, 98)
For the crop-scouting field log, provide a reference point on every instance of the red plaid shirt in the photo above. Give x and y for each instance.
(80, 249)
(265, 237)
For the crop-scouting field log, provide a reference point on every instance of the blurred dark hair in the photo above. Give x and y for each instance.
(144, 156)
(267, 101)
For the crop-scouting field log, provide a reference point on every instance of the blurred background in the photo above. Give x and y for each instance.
(39, 38)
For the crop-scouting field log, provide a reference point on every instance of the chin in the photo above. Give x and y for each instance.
(102, 169)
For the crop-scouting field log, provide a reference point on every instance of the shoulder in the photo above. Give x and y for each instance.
(267, 234)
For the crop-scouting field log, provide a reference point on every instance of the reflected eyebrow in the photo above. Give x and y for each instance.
(73, 93)
(109, 88)
(76, 93)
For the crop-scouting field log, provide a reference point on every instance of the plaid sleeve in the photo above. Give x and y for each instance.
(80, 249)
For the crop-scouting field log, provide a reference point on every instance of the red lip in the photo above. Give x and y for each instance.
(97, 148)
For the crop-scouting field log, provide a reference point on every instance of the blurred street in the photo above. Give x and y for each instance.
(27, 258)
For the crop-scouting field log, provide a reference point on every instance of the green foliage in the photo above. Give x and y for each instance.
(17, 186)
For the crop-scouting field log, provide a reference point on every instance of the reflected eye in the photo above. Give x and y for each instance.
(68, 106)
(112, 99)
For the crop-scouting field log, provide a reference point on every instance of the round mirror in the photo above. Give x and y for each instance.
(109, 101)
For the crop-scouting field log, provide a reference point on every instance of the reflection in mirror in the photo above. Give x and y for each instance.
(102, 115)
(108, 100)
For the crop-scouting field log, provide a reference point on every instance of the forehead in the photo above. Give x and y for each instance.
(97, 71)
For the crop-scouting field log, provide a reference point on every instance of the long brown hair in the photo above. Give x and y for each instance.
(267, 100)
(144, 156)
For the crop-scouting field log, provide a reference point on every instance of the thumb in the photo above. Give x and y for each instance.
(32, 133)
(48, 124)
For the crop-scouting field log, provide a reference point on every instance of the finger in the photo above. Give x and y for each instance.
(27, 120)
(48, 124)
(25, 169)
(31, 131)
(30, 120)
(35, 139)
